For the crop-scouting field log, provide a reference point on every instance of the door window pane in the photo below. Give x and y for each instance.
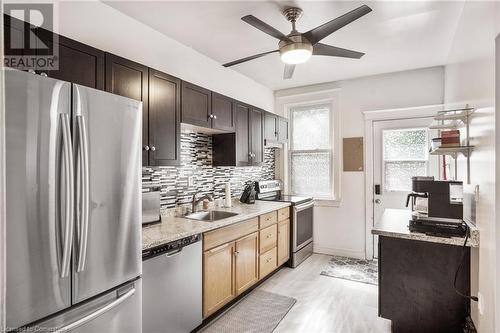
(311, 127)
(310, 173)
(398, 174)
(405, 156)
(405, 144)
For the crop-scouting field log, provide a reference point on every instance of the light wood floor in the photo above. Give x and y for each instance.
(325, 304)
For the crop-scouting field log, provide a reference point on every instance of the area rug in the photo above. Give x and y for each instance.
(365, 271)
(259, 312)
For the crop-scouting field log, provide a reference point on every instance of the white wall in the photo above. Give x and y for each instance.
(341, 230)
(470, 78)
(99, 25)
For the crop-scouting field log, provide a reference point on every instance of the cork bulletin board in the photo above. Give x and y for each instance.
(353, 154)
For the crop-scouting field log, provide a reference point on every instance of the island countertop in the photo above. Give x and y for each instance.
(174, 228)
(394, 223)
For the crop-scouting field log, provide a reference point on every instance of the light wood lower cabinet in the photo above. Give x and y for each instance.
(218, 277)
(246, 256)
(239, 255)
(283, 241)
(268, 262)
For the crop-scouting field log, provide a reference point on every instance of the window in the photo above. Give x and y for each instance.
(311, 153)
(405, 156)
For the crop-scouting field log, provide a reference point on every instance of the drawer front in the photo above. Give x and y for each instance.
(267, 262)
(268, 238)
(268, 219)
(283, 214)
(232, 232)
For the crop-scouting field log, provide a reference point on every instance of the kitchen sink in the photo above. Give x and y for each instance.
(210, 216)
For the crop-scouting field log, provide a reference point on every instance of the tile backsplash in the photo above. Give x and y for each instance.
(196, 162)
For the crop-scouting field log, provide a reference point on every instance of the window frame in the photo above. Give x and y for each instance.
(330, 150)
(384, 160)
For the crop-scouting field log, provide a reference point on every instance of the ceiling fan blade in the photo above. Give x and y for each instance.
(264, 27)
(318, 33)
(255, 56)
(289, 69)
(333, 51)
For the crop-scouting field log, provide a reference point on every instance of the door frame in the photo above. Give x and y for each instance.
(370, 117)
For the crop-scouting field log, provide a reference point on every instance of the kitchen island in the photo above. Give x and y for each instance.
(416, 276)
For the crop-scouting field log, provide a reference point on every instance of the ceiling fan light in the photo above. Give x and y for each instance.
(297, 52)
(297, 56)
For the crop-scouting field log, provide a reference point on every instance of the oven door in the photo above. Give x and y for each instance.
(302, 225)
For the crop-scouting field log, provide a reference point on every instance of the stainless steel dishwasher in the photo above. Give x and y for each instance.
(172, 282)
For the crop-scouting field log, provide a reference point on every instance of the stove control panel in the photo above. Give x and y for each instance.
(265, 186)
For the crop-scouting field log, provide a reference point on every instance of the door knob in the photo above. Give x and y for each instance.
(378, 201)
(146, 148)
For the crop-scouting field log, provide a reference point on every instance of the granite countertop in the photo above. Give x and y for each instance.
(173, 228)
(394, 223)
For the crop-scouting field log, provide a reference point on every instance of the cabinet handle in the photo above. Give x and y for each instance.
(153, 148)
(236, 253)
(211, 116)
(43, 74)
(268, 260)
(269, 235)
(215, 117)
(146, 148)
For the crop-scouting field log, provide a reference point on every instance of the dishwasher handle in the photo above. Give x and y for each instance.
(173, 253)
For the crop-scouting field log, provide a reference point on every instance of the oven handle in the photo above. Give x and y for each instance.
(304, 206)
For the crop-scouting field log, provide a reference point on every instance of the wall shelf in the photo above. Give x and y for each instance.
(452, 120)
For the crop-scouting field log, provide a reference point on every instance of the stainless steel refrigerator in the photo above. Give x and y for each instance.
(73, 207)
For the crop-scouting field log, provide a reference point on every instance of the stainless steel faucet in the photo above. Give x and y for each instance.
(194, 201)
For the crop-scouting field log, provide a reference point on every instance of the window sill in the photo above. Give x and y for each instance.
(327, 202)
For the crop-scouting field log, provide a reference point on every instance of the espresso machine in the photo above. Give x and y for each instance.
(437, 207)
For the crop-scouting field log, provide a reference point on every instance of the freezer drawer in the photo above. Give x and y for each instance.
(119, 311)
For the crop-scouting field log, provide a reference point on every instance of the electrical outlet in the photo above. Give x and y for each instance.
(480, 303)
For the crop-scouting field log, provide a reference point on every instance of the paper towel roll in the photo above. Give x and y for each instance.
(227, 199)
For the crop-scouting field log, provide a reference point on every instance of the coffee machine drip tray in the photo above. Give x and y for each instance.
(440, 227)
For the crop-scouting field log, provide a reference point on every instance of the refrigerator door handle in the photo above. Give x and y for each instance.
(97, 313)
(69, 199)
(85, 195)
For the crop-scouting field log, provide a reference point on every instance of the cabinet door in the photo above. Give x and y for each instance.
(130, 79)
(256, 136)
(242, 134)
(218, 278)
(270, 127)
(282, 130)
(164, 118)
(222, 112)
(14, 42)
(247, 261)
(78, 63)
(283, 241)
(196, 105)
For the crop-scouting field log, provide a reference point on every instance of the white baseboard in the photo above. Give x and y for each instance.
(319, 248)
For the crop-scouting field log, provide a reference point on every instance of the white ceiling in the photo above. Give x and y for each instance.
(396, 35)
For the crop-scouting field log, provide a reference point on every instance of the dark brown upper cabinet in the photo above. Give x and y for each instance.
(270, 128)
(223, 117)
(78, 63)
(13, 37)
(164, 119)
(130, 79)
(255, 120)
(282, 130)
(196, 105)
(233, 149)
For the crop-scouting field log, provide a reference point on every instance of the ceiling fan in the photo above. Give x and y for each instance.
(296, 48)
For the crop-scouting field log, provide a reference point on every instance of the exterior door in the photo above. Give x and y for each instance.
(107, 139)
(39, 201)
(400, 152)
